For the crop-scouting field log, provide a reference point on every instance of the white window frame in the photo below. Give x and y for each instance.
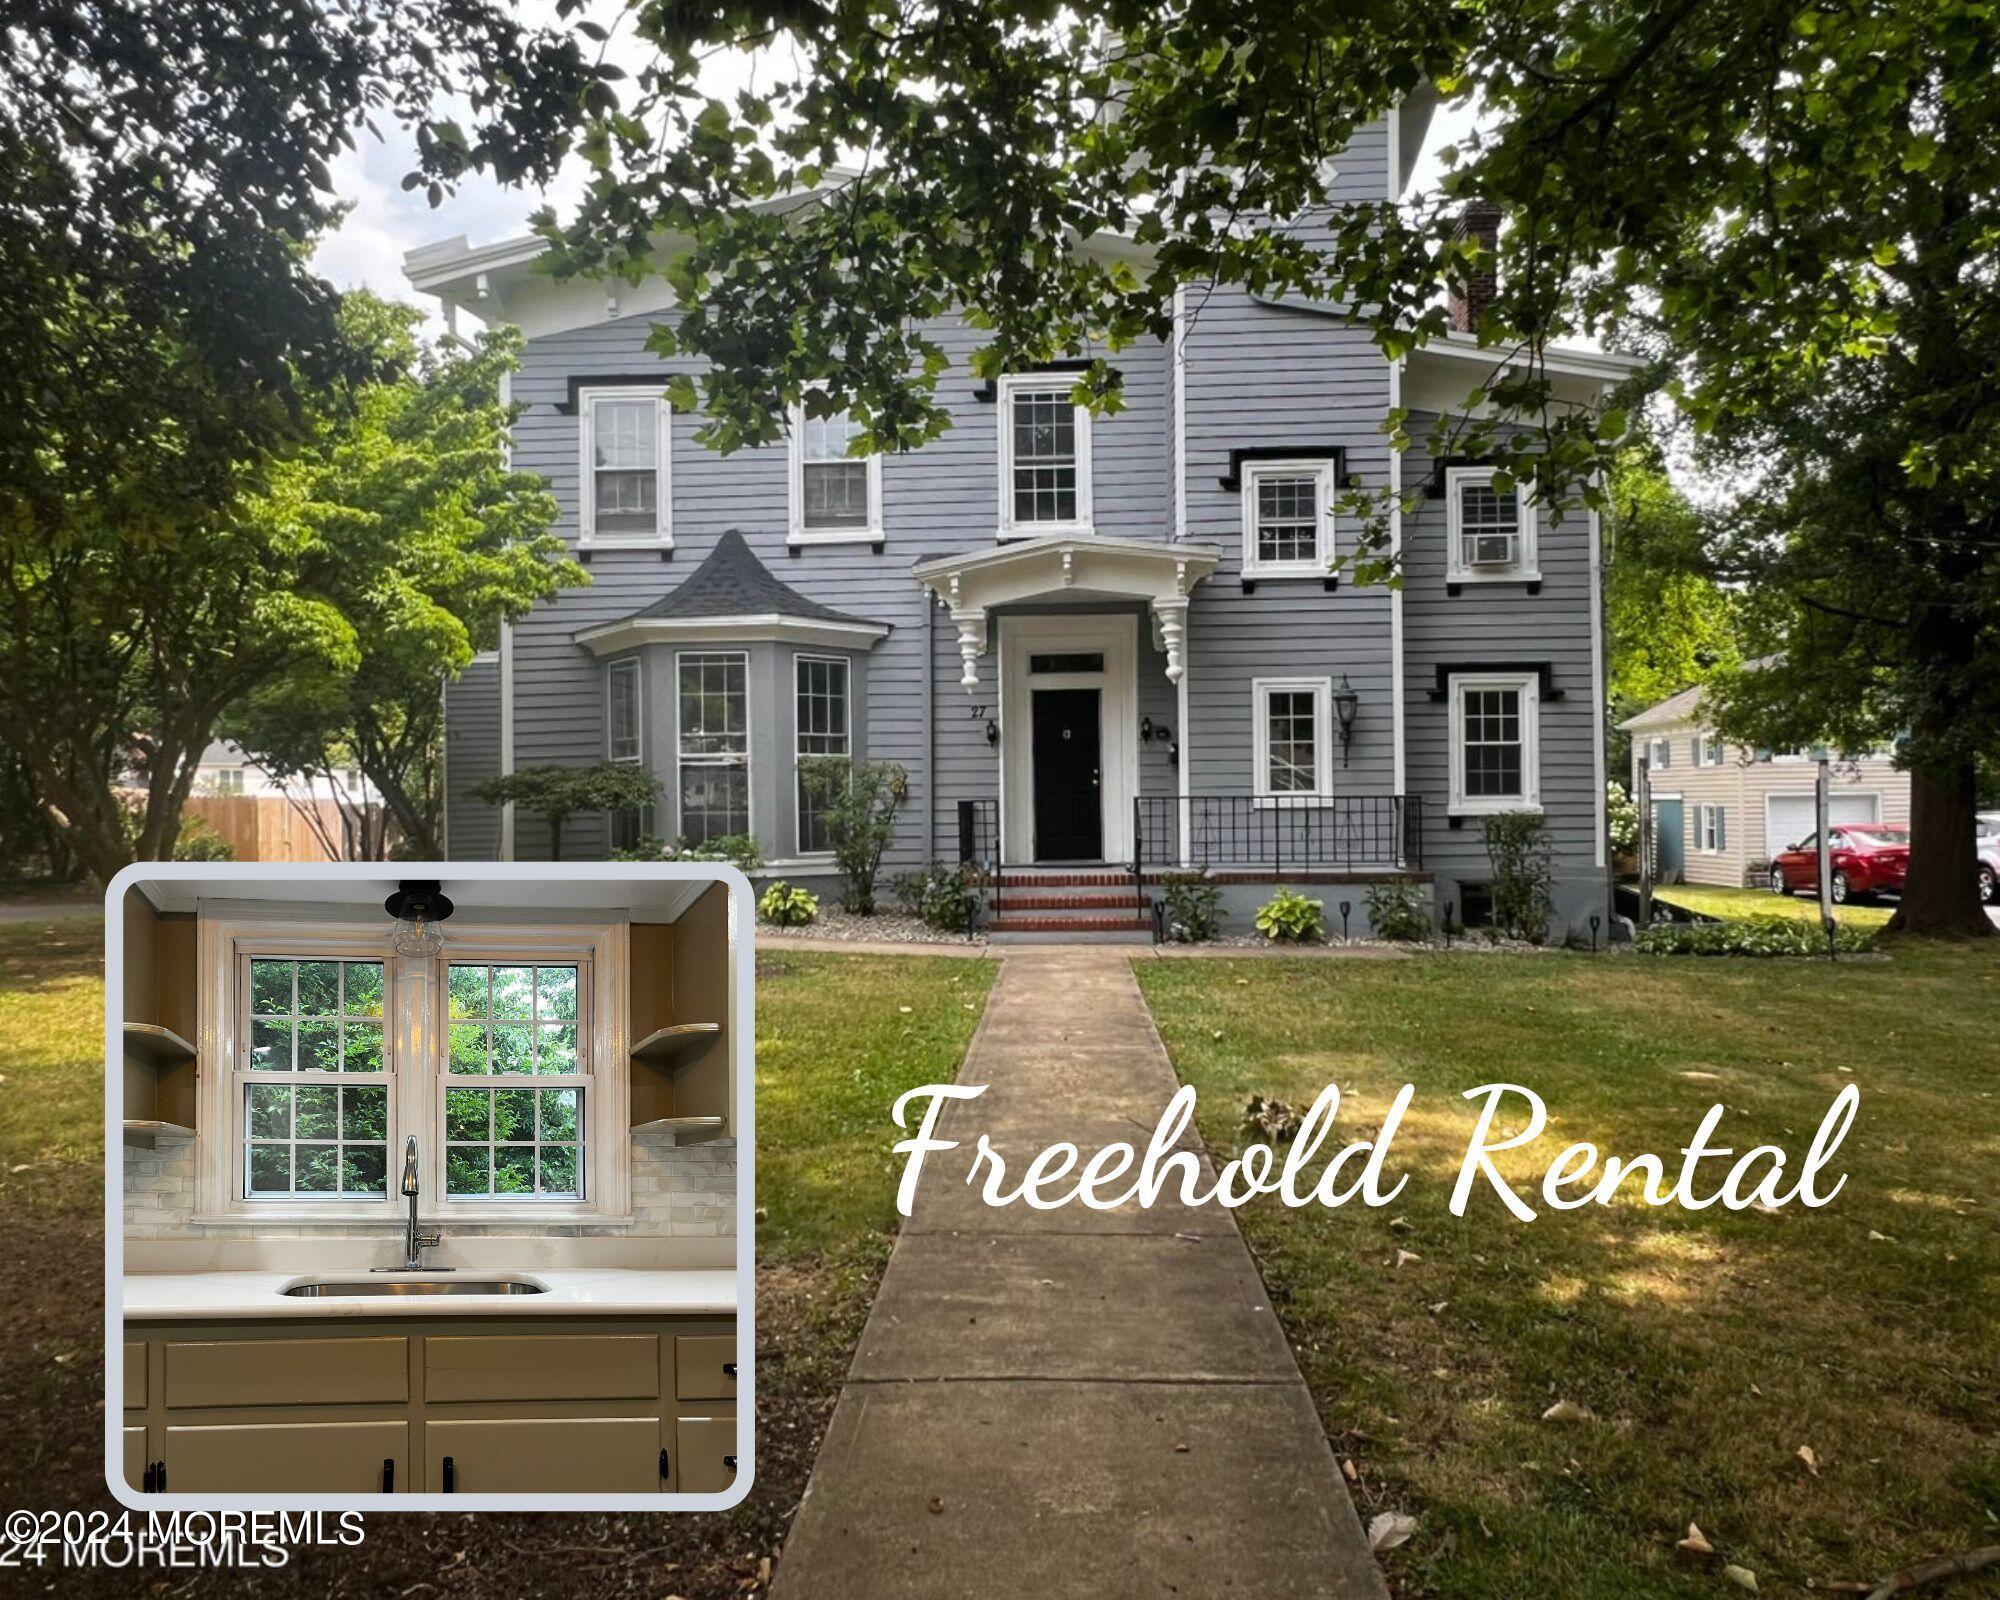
(1526, 567)
(662, 537)
(749, 740)
(1528, 684)
(846, 665)
(1708, 827)
(871, 533)
(1006, 390)
(1318, 468)
(1714, 753)
(414, 1031)
(1321, 689)
(626, 666)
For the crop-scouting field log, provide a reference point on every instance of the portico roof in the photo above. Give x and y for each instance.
(1068, 566)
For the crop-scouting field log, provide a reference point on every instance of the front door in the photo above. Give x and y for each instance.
(1669, 859)
(1069, 813)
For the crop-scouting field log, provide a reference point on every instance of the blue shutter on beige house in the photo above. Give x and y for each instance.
(1721, 828)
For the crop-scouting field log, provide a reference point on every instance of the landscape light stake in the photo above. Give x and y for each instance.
(1345, 907)
(1595, 922)
(1450, 916)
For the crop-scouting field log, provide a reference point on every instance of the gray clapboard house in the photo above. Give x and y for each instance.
(1110, 644)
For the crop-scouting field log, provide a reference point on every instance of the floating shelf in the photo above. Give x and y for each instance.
(160, 1045)
(664, 1047)
(141, 1131)
(686, 1130)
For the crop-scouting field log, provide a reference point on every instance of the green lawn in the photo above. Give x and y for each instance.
(838, 1038)
(1708, 1346)
(1736, 904)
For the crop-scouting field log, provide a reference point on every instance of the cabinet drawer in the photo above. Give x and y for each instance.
(289, 1458)
(705, 1366)
(135, 1374)
(288, 1372)
(567, 1455)
(707, 1454)
(562, 1366)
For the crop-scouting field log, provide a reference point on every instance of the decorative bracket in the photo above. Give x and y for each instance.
(1170, 625)
(971, 644)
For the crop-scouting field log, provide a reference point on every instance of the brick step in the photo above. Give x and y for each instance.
(1087, 878)
(1044, 922)
(1089, 899)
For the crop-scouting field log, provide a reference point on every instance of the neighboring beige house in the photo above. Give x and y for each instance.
(1721, 811)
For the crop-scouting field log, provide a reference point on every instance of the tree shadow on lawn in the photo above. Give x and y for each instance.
(1708, 1347)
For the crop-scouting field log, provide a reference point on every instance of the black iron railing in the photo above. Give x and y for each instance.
(979, 845)
(1277, 833)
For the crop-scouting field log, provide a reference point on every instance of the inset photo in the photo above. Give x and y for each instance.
(424, 1186)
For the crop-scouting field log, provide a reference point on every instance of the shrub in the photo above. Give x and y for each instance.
(557, 793)
(198, 841)
(738, 849)
(1399, 912)
(1193, 908)
(785, 905)
(858, 801)
(1621, 818)
(1751, 936)
(945, 895)
(1288, 917)
(1517, 842)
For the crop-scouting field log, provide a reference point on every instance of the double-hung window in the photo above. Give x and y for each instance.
(1293, 753)
(1044, 457)
(1712, 832)
(328, 1054)
(622, 738)
(1659, 754)
(1495, 743)
(823, 728)
(713, 756)
(836, 495)
(1287, 518)
(624, 482)
(1490, 530)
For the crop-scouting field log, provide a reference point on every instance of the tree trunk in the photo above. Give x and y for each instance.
(1941, 895)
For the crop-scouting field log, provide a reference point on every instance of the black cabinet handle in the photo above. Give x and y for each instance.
(388, 1474)
(729, 1369)
(729, 1462)
(160, 1477)
(664, 1465)
(450, 1476)
(146, 1478)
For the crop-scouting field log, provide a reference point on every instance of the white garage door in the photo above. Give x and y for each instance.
(1789, 817)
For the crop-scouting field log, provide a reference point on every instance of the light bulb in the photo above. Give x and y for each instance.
(417, 935)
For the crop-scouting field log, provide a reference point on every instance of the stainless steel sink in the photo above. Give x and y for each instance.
(412, 1286)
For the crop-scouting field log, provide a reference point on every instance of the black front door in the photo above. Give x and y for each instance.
(1069, 817)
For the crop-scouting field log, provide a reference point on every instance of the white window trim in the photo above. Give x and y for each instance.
(1706, 816)
(1005, 390)
(872, 533)
(662, 538)
(749, 741)
(1321, 470)
(414, 1030)
(1321, 689)
(846, 664)
(1527, 567)
(1529, 685)
(629, 664)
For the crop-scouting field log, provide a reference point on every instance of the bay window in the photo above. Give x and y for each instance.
(713, 754)
(822, 727)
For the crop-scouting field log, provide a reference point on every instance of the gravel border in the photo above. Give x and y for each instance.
(835, 926)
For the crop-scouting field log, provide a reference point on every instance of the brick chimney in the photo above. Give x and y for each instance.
(1472, 291)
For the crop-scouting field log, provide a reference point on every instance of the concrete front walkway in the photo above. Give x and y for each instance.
(1071, 1402)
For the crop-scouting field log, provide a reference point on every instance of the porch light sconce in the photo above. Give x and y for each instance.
(419, 906)
(1149, 729)
(992, 731)
(1346, 701)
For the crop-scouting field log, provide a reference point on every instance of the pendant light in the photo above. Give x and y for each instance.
(419, 907)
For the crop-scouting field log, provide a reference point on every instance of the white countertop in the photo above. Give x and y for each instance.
(569, 1292)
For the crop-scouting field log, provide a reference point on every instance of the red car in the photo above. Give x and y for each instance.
(1867, 858)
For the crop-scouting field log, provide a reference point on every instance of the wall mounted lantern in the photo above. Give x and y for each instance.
(992, 731)
(1345, 703)
(1149, 729)
(419, 906)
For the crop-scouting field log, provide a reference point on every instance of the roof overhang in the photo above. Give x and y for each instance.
(629, 633)
(1078, 567)
(1441, 374)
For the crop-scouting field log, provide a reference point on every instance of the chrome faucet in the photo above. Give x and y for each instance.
(414, 1242)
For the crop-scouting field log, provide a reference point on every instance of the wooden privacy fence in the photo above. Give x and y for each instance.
(268, 827)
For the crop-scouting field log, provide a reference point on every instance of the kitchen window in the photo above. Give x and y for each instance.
(1294, 761)
(622, 740)
(713, 777)
(836, 496)
(1044, 458)
(822, 728)
(1495, 746)
(1490, 530)
(1287, 519)
(624, 481)
(328, 1053)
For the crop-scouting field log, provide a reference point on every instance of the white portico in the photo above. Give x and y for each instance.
(1067, 670)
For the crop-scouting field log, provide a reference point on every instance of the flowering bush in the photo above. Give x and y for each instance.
(785, 905)
(738, 849)
(1288, 917)
(1752, 936)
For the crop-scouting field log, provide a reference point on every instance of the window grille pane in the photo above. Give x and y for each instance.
(1489, 523)
(316, 1139)
(624, 706)
(524, 1020)
(714, 714)
(835, 494)
(1045, 456)
(1492, 743)
(822, 718)
(625, 433)
(316, 1016)
(715, 801)
(1292, 732)
(1288, 519)
(514, 1144)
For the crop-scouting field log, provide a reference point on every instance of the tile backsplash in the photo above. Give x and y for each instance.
(684, 1192)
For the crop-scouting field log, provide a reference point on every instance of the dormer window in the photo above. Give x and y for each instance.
(1491, 530)
(624, 482)
(1044, 457)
